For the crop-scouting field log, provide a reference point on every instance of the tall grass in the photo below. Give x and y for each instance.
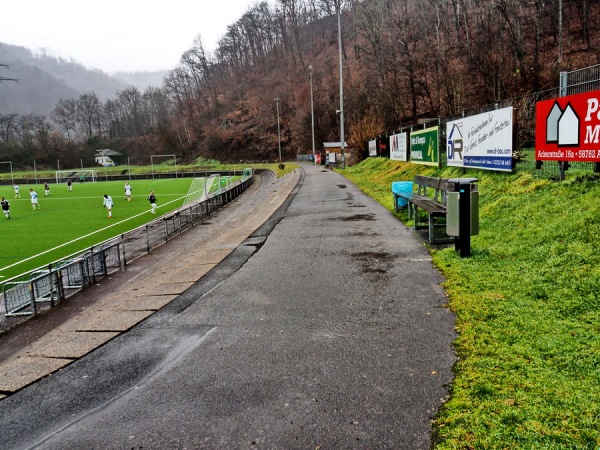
(527, 305)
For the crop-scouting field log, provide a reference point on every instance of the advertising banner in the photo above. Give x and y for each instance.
(424, 148)
(373, 148)
(398, 147)
(568, 128)
(484, 141)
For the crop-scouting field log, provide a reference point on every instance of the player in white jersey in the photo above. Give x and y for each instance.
(127, 191)
(34, 199)
(108, 204)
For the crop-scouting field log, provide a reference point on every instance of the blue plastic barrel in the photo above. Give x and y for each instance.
(402, 186)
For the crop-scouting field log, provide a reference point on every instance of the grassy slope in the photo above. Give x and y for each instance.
(528, 310)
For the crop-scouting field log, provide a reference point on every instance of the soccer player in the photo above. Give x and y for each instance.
(152, 200)
(108, 204)
(5, 207)
(47, 190)
(69, 184)
(127, 191)
(16, 188)
(34, 200)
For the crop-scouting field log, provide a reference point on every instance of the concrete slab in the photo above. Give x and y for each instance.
(114, 320)
(191, 274)
(175, 288)
(20, 372)
(149, 303)
(59, 344)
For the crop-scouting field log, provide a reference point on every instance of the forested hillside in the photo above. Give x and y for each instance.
(403, 62)
(43, 80)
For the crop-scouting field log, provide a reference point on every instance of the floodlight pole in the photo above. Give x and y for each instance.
(12, 178)
(339, 8)
(312, 109)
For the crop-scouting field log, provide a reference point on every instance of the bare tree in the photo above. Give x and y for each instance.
(89, 114)
(65, 116)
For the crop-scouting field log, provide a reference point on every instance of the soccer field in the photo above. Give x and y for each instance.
(70, 222)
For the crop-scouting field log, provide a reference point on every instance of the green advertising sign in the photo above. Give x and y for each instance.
(424, 146)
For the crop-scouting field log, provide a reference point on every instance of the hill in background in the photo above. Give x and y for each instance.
(43, 80)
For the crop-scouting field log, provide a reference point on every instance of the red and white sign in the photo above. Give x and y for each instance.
(568, 128)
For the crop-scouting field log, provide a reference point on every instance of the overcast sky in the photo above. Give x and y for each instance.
(118, 35)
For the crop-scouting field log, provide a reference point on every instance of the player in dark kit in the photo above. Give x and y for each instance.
(152, 200)
(5, 207)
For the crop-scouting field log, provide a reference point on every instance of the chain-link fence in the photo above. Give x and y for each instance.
(28, 294)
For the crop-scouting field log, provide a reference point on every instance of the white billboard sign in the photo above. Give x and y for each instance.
(398, 147)
(484, 141)
(373, 148)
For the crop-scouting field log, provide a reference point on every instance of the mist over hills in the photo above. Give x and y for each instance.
(44, 79)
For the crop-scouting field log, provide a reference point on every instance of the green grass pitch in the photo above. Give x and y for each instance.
(69, 222)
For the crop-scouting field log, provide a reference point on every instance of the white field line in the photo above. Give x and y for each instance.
(82, 237)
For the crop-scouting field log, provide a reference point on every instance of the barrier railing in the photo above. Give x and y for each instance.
(28, 294)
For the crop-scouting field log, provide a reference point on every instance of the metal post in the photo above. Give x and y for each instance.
(339, 7)
(277, 100)
(312, 109)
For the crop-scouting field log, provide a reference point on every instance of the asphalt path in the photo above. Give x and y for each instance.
(327, 328)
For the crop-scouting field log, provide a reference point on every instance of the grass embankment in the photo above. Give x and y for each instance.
(527, 307)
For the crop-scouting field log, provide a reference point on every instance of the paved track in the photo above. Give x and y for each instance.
(326, 328)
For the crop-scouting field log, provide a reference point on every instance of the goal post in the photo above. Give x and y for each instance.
(202, 188)
(75, 175)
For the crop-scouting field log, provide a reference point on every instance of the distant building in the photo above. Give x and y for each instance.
(107, 157)
(333, 152)
(335, 147)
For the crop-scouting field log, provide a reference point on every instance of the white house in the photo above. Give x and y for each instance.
(105, 157)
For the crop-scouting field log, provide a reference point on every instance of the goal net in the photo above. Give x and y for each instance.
(76, 176)
(203, 188)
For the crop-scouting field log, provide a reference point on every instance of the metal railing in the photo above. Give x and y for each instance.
(27, 295)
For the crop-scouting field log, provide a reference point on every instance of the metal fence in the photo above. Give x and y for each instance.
(28, 294)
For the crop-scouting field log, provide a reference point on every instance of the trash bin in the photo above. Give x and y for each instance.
(453, 216)
(399, 187)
